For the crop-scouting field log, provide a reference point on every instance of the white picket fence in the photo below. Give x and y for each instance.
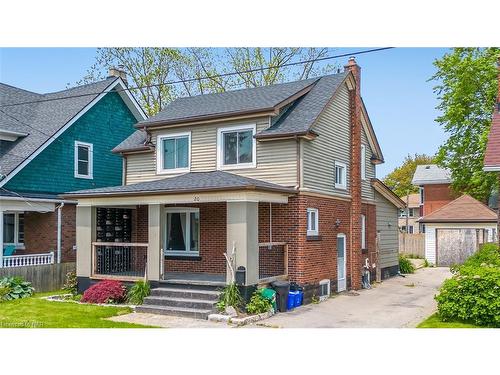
(28, 260)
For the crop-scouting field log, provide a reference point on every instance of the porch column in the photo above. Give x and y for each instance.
(85, 235)
(154, 241)
(242, 231)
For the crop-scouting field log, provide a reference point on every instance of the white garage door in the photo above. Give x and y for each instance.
(454, 246)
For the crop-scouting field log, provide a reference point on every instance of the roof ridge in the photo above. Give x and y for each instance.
(21, 89)
(81, 86)
(465, 195)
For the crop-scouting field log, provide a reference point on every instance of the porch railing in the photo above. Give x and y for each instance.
(273, 261)
(28, 260)
(119, 260)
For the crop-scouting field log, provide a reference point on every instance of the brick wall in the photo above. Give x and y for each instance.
(436, 196)
(370, 212)
(40, 233)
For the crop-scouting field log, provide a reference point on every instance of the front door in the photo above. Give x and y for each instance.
(341, 263)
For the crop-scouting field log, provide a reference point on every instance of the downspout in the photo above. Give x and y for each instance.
(270, 225)
(59, 232)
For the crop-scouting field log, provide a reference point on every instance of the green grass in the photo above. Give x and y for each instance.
(434, 321)
(34, 312)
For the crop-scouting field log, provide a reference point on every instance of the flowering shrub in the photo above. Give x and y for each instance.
(473, 293)
(106, 291)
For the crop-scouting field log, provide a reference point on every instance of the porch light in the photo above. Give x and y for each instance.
(337, 223)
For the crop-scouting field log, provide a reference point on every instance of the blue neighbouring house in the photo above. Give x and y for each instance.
(54, 143)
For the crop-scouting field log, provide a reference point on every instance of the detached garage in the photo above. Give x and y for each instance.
(456, 230)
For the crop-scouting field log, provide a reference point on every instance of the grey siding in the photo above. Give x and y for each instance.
(332, 144)
(367, 190)
(276, 160)
(387, 214)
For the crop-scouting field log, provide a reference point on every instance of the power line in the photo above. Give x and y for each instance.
(187, 80)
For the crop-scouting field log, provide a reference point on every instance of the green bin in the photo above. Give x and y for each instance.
(269, 294)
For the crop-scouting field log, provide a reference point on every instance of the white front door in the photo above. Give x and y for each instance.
(341, 263)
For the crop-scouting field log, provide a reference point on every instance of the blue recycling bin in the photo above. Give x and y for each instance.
(299, 298)
(291, 300)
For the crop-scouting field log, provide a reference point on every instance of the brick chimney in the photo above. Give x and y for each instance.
(355, 261)
(118, 71)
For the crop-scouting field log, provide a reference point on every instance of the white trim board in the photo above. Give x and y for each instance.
(135, 108)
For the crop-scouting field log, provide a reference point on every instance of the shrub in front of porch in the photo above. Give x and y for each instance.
(106, 291)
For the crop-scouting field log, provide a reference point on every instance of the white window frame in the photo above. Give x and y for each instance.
(90, 148)
(187, 252)
(363, 162)
(421, 194)
(220, 147)
(310, 231)
(411, 229)
(159, 153)
(329, 290)
(342, 186)
(411, 212)
(363, 232)
(16, 243)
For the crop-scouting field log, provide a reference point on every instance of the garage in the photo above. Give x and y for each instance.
(457, 230)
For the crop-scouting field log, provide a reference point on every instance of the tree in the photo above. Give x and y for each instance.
(467, 88)
(150, 70)
(399, 180)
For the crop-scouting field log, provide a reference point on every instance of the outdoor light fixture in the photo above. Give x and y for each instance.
(337, 223)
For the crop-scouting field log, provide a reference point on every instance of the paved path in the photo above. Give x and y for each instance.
(165, 321)
(396, 302)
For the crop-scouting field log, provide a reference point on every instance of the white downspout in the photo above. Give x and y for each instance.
(59, 230)
(1, 239)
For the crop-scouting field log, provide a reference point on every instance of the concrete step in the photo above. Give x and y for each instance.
(174, 311)
(192, 284)
(209, 295)
(181, 302)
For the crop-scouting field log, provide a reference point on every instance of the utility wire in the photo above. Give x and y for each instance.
(205, 77)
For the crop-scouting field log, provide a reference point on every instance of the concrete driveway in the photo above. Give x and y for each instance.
(395, 303)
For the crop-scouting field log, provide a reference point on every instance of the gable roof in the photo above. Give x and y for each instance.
(413, 200)
(464, 209)
(387, 193)
(50, 114)
(188, 182)
(492, 154)
(428, 174)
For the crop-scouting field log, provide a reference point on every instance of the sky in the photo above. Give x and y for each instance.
(394, 85)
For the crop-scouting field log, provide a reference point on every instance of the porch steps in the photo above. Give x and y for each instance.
(187, 300)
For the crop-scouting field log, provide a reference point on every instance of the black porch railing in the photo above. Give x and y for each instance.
(123, 260)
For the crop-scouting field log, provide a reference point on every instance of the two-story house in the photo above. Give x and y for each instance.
(49, 144)
(409, 215)
(280, 178)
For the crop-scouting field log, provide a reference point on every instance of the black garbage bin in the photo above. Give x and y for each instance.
(282, 288)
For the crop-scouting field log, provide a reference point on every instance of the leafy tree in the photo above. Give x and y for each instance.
(399, 180)
(150, 70)
(467, 88)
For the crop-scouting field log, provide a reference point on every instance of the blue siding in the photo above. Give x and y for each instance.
(105, 125)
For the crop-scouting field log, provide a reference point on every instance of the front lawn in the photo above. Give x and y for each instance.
(434, 321)
(34, 312)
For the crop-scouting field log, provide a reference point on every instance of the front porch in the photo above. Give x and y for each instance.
(182, 238)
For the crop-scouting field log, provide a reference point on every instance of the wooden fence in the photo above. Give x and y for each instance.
(413, 244)
(46, 278)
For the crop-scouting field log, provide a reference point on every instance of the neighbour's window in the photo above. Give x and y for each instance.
(402, 212)
(13, 228)
(363, 162)
(312, 222)
(410, 229)
(411, 212)
(173, 153)
(83, 160)
(182, 231)
(421, 191)
(236, 147)
(363, 231)
(340, 175)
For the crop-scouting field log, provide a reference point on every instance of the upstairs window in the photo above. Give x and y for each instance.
(421, 191)
(312, 222)
(340, 176)
(363, 162)
(173, 153)
(83, 160)
(236, 147)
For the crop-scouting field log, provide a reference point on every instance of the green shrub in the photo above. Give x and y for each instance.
(258, 304)
(71, 284)
(473, 293)
(140, 290)
(230, 296)
(405, 266)
(14, 288)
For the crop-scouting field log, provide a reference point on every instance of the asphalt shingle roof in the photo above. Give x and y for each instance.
(464, 209)
(431, 174)
(193, 181)
(39, 120)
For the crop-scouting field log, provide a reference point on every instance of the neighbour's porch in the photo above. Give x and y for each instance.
(182, 238)
(30, 230)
